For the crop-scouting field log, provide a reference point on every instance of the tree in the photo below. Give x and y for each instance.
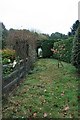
(58, 36)
(74, 27)
(4, 36)
(69, 34)
(55, 51)
(42, 37)
(76, 50)
(23, 41)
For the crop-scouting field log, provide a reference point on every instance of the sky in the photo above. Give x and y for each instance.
(43, 16)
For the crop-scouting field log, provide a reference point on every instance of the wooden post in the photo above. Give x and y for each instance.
(18, 68)
(59, 62)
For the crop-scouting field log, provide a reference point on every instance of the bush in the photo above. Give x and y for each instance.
(46, 46)
(8, 55)
(64, 48)
(76, 50)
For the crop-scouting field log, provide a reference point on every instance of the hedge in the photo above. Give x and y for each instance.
(64, 50)
(46, 46)
(76, 50)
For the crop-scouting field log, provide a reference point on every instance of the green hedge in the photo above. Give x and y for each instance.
(64, 49)
(46, 46)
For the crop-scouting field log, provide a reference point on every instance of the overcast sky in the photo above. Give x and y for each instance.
(47, 16)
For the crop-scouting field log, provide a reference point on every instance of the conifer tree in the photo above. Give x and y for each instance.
(76, 50)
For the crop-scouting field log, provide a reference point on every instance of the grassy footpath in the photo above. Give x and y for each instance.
(48, 91)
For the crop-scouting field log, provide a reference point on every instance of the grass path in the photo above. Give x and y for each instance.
(48, 91)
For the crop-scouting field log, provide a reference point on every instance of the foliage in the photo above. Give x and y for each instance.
(42, 36)
(24, 42)
(46, 46)
(74, 28)
(8, 70)
(4, 36)
(6, 61)
(76, 49)
(8, 54)
(48, 92)
(58, 36)
(64, 50)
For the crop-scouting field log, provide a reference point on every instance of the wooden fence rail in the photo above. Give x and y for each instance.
(21, 70)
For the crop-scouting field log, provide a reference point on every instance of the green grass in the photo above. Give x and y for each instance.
(48, 91)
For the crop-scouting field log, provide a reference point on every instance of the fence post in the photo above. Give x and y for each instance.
(18, 68)
(24, 66)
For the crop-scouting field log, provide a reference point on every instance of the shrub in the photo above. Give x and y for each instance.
(64, 48)
(76, 50)
(46, 48)
(8, 54)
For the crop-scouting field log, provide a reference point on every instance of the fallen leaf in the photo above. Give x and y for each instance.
(65, 113)
(34, 114)
(50, 114)
(70, 116)
(45, 114)
(62, 94)
(40, 108)
(45, 90)
(66, 108)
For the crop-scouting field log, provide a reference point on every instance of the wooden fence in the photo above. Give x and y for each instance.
(21, 70)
